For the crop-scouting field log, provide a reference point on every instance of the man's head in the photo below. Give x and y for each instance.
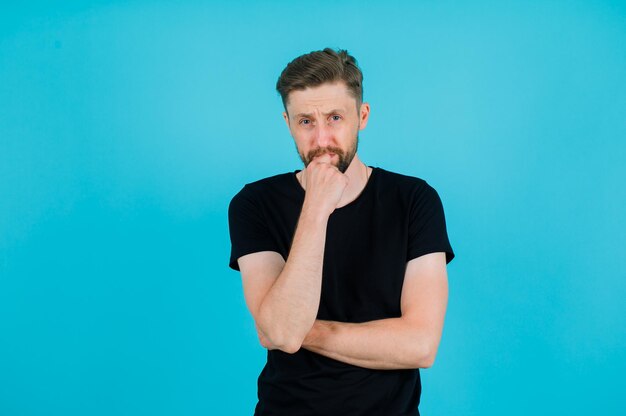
(321, 67)
(322, 94)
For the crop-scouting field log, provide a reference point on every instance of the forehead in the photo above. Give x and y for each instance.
(322, 97)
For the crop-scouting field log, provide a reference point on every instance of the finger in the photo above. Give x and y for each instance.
(325, 158)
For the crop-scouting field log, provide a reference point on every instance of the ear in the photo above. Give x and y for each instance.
(286, 117)
(364, 115)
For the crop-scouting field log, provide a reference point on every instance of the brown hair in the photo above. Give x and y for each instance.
(318, 67)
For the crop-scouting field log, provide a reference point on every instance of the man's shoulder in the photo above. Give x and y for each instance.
(266, 186)
(279, 179)
(400, 180)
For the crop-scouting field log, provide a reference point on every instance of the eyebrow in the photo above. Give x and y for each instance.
(308, 115)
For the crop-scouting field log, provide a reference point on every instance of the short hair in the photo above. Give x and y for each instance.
(319, 67)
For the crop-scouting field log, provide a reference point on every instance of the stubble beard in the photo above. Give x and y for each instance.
(345, 158)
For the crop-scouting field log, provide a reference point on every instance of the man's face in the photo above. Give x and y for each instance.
(324, 119)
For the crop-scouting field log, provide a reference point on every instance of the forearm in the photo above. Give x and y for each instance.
(290, 307)
(385, 344)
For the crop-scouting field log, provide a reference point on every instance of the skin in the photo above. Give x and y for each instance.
(283, 297)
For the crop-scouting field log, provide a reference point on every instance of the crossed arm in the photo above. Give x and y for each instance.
(410, 341)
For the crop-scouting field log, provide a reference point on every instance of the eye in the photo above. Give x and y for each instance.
(335, 117)
(305, 122)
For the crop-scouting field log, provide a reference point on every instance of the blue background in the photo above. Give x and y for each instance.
(126, 127)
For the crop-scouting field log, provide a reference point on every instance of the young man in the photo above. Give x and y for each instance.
(343, 264)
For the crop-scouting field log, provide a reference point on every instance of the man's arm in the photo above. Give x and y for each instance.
(410, 341)
(284, 297)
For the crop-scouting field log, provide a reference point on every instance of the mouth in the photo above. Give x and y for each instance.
(320, 153)
(324, 154)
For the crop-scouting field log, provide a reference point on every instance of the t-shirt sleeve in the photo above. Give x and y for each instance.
(427, 225)
(249, 232)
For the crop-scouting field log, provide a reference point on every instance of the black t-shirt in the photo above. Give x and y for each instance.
(369, 241)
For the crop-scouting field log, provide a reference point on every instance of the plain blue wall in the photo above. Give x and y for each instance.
(126, 127)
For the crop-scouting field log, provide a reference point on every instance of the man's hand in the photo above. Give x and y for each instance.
(324, 185)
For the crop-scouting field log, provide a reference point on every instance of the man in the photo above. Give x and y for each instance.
(343, 265)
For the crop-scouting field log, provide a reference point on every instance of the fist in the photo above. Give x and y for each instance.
(324, 184)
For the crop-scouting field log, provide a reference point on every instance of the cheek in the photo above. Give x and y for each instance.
(305, 136)
(303, 141)
(346, 130)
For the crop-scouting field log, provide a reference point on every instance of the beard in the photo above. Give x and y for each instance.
(345, 158)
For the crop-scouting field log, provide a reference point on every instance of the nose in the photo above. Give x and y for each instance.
(323, 135)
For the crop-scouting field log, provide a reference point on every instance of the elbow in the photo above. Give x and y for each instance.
(277, 337)
(427, 361)
(424, 356)
(291, 348)
(274, 341)
(288, 342)
(288, 345)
